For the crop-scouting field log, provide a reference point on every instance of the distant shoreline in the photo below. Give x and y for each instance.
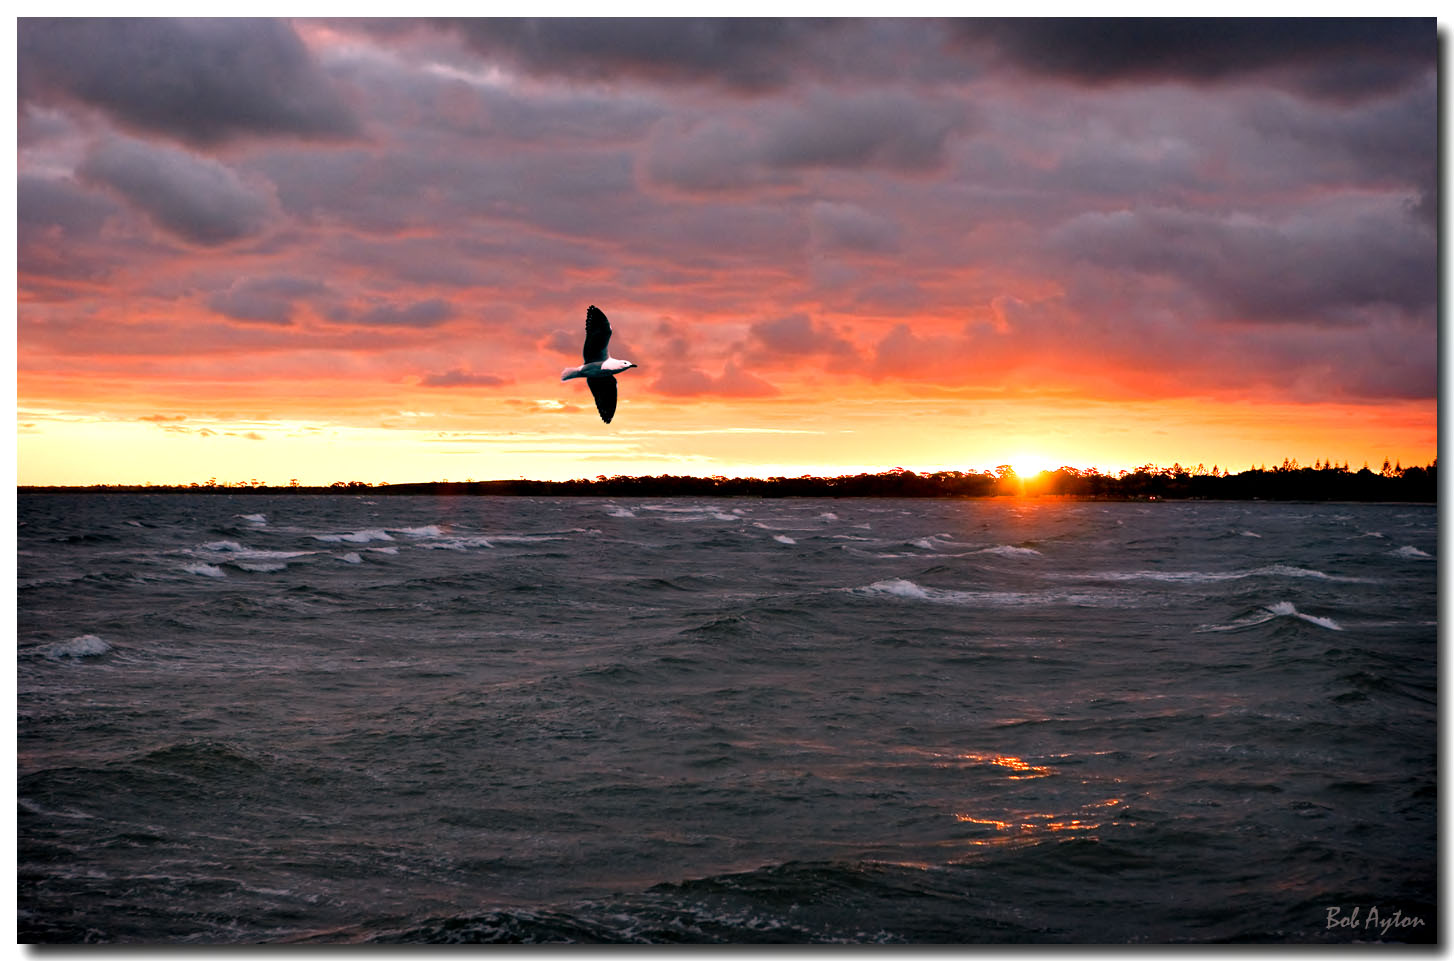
(1289, 483)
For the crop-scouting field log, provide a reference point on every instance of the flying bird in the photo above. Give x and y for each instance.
(600, 369)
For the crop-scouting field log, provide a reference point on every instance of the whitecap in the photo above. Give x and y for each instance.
(206, 570)
(458, 543)
(1286, 609)
(86, 645)
(429, 530)
(923, 542)
(1252, 534)
(382, 550)
(899, 587)
(828, 516)
(1212, 577)
(1410, 551)
(253, 518)
(621, 512)
(1372, 534)
(355, 537)
(223, 547)
(351, 558)
(1009, 550)
(265, 562)
(1271, 611)
(783, 539)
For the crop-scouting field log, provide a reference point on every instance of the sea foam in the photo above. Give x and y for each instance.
(86, 645)
(355, 537)
(205, 570)
(1270, 612)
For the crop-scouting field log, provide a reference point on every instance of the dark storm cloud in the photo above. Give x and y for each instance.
(199, 81)
(848, 227)
(771, 144)
(194, 198)
(745, 54)
(1341, 59)
(1390, 142)
(424, 313)
(58, 225)
(1323, 266)
(267, 300)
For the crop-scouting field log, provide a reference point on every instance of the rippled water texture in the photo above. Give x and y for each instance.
(263, 718)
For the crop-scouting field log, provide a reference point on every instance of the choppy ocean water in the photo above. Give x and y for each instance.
(270, 718)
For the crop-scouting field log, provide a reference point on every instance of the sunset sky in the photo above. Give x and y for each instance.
(363, 249)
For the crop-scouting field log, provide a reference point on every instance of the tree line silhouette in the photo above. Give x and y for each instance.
(1288, 481)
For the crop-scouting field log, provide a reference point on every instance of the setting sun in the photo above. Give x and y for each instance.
(1027, 465)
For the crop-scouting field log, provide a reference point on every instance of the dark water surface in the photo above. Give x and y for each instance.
(269, 718)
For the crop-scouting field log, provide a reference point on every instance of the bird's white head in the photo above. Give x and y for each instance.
(615, 365)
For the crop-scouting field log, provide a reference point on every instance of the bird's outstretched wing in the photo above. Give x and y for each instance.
(604, 390)
(598, 334)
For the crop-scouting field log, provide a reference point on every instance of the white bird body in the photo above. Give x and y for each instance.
(600, 368)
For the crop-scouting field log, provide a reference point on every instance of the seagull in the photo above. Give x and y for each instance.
(599, 369)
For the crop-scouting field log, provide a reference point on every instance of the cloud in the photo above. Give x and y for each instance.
(1325, 265)
(848, 227)
(458, 377)
(734, 381)
(1332, 58)
(682, 377)
(423, 313)
(201, 81)
(773, 144)
(738, 53)
(59, 224)
(268, 300)
(797, 336)
(192, 197)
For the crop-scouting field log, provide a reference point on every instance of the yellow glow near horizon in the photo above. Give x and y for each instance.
(1027, 464)
(503, 438)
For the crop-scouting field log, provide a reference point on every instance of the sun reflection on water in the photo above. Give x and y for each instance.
(1031, 826)
(1023, 769)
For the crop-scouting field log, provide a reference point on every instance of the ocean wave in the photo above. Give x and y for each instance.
(783, 539)
(1268, 613)
(247, 559)
(204, 570)
(259, 519)
(902, 588)
(355, 537)
(428, 530)
(351, 558)
(86, 645)
(458, 543)
(1009, 550)
(1412, 552)
(1212, 577)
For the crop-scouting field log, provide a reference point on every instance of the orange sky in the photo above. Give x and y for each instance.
(364, 251)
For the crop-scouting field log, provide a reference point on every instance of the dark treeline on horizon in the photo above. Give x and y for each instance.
(1286, 482)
